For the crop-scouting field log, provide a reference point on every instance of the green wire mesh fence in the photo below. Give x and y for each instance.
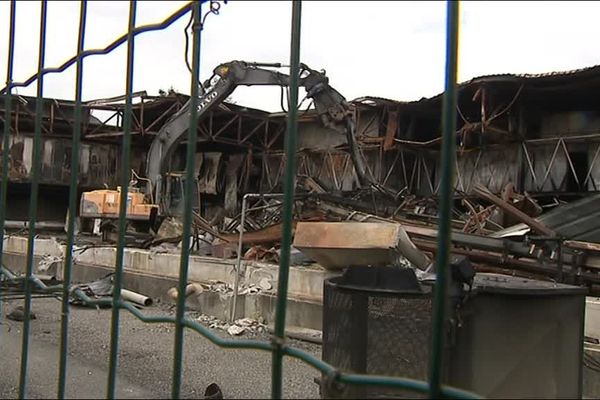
(277, 346)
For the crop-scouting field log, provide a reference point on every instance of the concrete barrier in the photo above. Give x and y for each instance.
(152, 274)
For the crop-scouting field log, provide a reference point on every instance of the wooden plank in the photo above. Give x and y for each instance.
(586, 246)
(537, 226)
(390, 133)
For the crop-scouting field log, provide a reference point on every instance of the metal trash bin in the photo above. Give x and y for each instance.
(376, 320)
(507, 337)
(520, 338)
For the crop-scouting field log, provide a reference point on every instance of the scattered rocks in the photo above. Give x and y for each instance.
(250, 289)
(217, 286)
(239, 326)
(235, 330)
(244, 288)
(49, 263)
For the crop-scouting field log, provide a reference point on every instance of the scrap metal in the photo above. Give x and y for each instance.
(515, 212)
(577, 220)
(337, 245)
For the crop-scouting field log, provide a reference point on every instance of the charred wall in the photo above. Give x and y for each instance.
(99, 163)
(541, 133)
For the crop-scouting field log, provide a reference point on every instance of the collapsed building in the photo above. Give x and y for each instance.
(529, 140)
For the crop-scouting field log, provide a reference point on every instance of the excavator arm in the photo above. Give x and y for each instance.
(330, 105)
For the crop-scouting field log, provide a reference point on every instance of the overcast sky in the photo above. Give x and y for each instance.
(386, 49)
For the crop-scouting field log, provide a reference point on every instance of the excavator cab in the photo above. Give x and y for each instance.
(174, 198)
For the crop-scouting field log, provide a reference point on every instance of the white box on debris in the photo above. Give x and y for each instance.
(336, 245)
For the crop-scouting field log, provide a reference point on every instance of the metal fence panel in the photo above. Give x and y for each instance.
(277, 346)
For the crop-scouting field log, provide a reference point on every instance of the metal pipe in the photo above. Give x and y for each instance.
(288, 203)
(108, 49)
(192, 140)
(238, 262)
(33, 200)
(445, 207)
(7, 123)
(125, 166)
(6, 272)
(137, 298)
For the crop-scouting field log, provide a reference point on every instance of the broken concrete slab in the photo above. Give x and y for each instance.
(336, 245)
(170, 228)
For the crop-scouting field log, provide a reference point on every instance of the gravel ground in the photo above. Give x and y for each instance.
(146, 358)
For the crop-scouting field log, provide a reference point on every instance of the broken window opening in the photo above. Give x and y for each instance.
(579, 159)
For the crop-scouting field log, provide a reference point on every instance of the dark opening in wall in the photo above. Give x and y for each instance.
(53, 202)
(580, 167)
(533, 124)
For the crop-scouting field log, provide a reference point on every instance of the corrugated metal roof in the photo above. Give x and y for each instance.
(578, 220)
(546, 77)
(595, 68)
(374, 100)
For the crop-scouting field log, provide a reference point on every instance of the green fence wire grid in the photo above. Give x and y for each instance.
(277, 346)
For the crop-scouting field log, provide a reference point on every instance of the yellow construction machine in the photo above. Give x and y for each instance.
(99, 209)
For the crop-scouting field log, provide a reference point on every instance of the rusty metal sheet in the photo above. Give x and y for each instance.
(269, 234)
(578, 220)
(538, 226)
(336, 245)
(390, 132)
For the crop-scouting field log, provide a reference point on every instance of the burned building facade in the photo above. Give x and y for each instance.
(537, 133)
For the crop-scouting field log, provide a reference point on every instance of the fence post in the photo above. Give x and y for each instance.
(188, 201)
(288, 203)
(125, 163)
(72, 211)
(33, 201)
(445, 204)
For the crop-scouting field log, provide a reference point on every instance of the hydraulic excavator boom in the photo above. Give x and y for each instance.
(330, 105)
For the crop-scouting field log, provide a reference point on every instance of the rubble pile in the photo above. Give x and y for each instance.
(243, 289)
(238, 327)
(505, 232)
(48, 261)
(509, 232)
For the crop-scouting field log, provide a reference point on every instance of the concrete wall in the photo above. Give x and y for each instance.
(305, 282)
(153, 274)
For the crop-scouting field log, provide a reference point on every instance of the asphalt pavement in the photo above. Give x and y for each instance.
(145, 358)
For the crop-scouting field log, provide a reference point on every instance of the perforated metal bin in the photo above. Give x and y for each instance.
(508, 337)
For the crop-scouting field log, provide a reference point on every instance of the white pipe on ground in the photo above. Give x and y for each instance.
(137, 298)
